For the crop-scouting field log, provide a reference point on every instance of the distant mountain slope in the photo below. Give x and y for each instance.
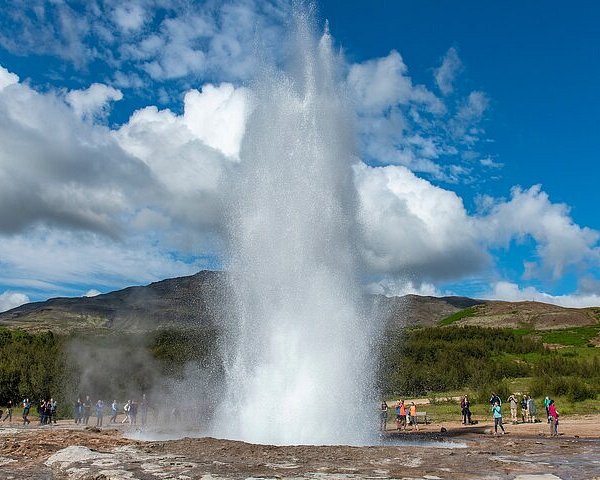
(410, 310)
(182, 301)
(530, 315)
(197, 300)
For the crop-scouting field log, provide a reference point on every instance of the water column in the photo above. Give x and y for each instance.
(297, 349)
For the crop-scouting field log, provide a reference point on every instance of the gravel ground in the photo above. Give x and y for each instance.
(66, 451)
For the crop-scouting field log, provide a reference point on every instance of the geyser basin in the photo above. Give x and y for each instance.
(298, 368)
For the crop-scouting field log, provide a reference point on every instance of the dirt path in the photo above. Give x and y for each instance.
(525, 453)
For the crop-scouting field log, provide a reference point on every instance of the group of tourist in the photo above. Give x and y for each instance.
(528, 409)
(46, 410)
(405, 415)
(528, 412)
(82, 411)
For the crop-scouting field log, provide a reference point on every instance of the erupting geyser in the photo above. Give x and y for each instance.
(297, 358)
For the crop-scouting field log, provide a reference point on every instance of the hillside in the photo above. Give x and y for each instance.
(193, 300)
(526, 315)
(197, 300)
(182, 301)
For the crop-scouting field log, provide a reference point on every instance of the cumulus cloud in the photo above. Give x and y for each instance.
(7, 78)
(415, 233)
(159, 167)
(56, 169)
(511, 292)
(189, 154)
(412, 228)
(560, 242)
(217, 115)
(10, 300)
(445, 75)
(75, 194)
(93, 101)
(92, 293)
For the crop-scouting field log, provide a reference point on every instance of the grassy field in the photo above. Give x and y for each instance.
(445, 362)
(445, 406)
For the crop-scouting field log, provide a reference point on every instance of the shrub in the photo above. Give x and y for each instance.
(574, 388)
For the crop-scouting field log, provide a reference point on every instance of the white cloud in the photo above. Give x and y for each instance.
(399, 286)
(406, 124)
(217, 116)
(7, 78)
(383, 83)
(189, 154)
(560, 242)
(61, 257)
(10, 300)
(446, 73)
(92, 293)
(53, 28)
(130, 17)
(415, 233)
(158, 178)
(511, 292)
(56, 169)
(84, 202)
(490, 163)
(93, 101)
(188, 39)
(413, 228)
(464, 125)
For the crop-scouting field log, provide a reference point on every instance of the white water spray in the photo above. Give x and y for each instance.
(297, 357)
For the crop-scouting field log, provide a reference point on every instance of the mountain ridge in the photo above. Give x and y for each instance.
(198, 300)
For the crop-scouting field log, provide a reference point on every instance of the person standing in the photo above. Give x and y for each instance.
(99, 413)
(114, 411)
(547, 406)
(524, 413)
(53, 406)
(413, 416)
(465, 407)
(497, 414)
(512, 401)
(127, 410)
(87, 409)
(26, 408)
(402, 415)
(133, 411)
(8, 414)
(553, 418)
(42, 412)
(531, 409)
(383, 416)
(495, 399)
(77, 410)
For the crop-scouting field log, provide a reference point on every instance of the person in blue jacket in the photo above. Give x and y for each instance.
(497, 414)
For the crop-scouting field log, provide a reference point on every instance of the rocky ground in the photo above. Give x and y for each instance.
(67, 451)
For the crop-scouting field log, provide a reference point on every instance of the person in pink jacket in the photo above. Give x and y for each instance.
(553, 417)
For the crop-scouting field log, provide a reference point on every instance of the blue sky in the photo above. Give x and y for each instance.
(476, 124)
